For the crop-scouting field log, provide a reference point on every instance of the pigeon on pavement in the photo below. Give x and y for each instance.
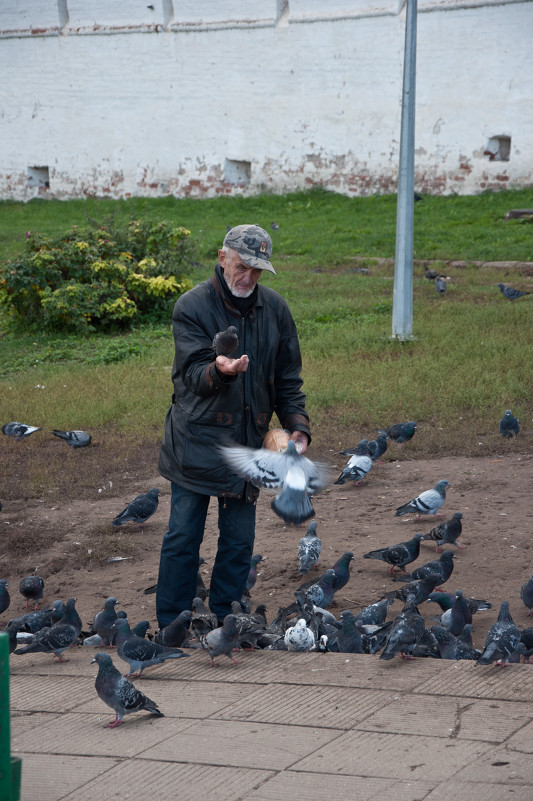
(299, 637)
(398, 555)
(76, 439)
(443, 567)
(509, 425)
(175, 634)
(104, 621)
(222, 640)
(377, 447)
(309, 549)
(139, 509)
(502, 639)
(446, 533)
(408, 628)
(400, 432)
(58, 637)
(452, 647)
(359, 464)
(427, 503)
(510, 293)
(298, 476)
(140, 653)
(32, 589)
(19, 430)
(226, 342)
(120, 694)
(349, 638)
(526, 594)
(33, 622)
(5, 599)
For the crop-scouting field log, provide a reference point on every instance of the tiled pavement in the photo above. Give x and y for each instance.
(277, 726)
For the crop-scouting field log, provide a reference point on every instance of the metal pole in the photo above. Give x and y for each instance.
(402, 306)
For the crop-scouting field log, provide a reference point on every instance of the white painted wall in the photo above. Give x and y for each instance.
(117, 99)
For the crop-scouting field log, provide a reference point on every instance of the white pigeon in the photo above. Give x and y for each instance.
(299, 637)
(298, 476)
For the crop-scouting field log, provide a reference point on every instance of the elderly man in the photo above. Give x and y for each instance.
(221, 399)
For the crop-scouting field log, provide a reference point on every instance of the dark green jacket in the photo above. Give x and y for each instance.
(209, 409)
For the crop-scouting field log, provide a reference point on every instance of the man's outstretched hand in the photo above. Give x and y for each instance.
(228, 366)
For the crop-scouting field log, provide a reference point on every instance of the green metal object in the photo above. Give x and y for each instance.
(10, 767)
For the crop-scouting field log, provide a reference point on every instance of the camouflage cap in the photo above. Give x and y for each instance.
(253, 245)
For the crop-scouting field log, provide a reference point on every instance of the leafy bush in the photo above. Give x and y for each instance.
(102, 277)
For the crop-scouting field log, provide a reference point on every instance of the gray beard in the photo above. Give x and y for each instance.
(239, 293)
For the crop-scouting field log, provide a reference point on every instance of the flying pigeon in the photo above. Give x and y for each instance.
(407, 630)
(104, 621)
(298, 476)
(427, 503)
(400, 432)
(440, 285)
(509, 425)
(451, 646)
(510, 293)
(117, 692)
(526, 594)
(299, 637)
(32, 588)
(139, 509)
(76, 439)
(309, 549)
(398, 555)
(358, 465)
(222, 640)
(349, 638)
(5, 600)
(19, 430)
(502, 639)
(58, 637)
(377, 447)
(446, 533)
(252, 575)
(175, 634)
(443, 567)
(226, 342)
(140, 653)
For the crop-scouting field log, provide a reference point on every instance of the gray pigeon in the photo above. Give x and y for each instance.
(446, 601)
(19, 430)
(76, 439)
(175, 634)
(400, 432)
(377, 447)
(398, 555)
(141, 628)
(32, 589)
(502, 639)
(139, 509)
(322, 592)
(35, 621)
(58, 637)
(374, 614)
(252, 575)
(451, 647)
(299, 637)
(460, 615)
(104, 621)
(358, 465)
(526, 594)
(407, 629)
(509, 425)
(5, 599)
(309, 549)
(226, 342)
(510, 293)
(120, 694)
(222, 640)
(446, 533)
(140, 653)
(443, 567)
(298, 476)
(440, 285)
(349, 638)
(420, 589)
(427, 503)
(202, 620)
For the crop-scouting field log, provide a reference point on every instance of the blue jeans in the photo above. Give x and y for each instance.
(180, 553)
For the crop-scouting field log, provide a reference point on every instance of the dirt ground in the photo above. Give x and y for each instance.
(493, 494)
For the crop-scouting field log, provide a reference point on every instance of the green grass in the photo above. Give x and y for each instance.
(469, 361)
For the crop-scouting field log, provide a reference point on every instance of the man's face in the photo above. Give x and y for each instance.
(240, 278)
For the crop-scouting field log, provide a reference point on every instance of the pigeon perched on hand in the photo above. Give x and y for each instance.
(32, 588)
(446, 533)
(398, 555)
(358, 465)
(298, 476)
(509, 425)
(117, 692)
(226, 342)
(299, 637)
(309, 549)
(140, 653)
(76, 439)
(400, 432)
(526, 594)
(442, 567)
(502, 639)
(510, 293)
(19, 430)
(427, 503)
(139, 509)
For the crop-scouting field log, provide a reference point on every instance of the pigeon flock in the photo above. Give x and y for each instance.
(314, 621)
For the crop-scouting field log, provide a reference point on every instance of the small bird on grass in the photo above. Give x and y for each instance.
(509, 425)
(309, 549)
(440, 285)
(225, 343)
(76, 439)
(139, 509)
(32, 589)
(398, 555)
(19, 430)
(120, 694)
(427, 503)
(510, 293)
(446, 533)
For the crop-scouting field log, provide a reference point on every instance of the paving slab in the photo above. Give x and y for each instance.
(318, 786)
(465, 678)
(491, 721)
(47, 777)
(500, 766)
(454, 790)
(396, 756)
(325, 707)
(169, 781)
(47, 693)
(241, 744)
(522, 740)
